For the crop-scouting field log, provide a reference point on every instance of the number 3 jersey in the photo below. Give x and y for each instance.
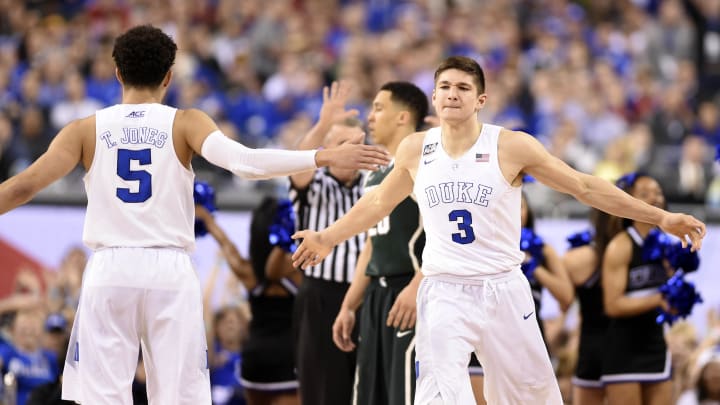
(470, 212)
(139, 194)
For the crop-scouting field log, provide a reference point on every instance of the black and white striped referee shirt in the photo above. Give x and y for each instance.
(324, 201)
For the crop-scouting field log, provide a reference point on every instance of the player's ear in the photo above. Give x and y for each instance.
(117, 76)
(403, 118)
(480, 103)
(167, 79)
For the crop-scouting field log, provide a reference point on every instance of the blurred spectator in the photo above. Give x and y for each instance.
(64, 285)
(75, 105)
(669, 40)
(229, 328)
(27, 295)
(25, 358)
(101, 83)
(705, 15)
(713, 193)
(673, 119)
(34, 134)
(56, 334)
(707, 123)
(687, 179)
(703, 371)
(10, 159)
(682, 339)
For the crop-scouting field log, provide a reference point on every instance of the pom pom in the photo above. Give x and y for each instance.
(681, 295)
(682, 258)
(532, 244)
(580, 238)
(656, 246)
(203, 194)
(283, 226)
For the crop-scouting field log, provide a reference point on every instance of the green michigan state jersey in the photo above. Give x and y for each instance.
(398, 239)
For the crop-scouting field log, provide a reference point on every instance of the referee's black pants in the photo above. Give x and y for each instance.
(325, 372)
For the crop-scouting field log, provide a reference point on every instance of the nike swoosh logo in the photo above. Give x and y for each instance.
(528, 315)
(403, 333)
(428, 161)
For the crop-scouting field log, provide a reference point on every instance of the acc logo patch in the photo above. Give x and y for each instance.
(429, 148)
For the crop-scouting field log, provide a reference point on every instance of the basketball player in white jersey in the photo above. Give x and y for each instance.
(466, 176)
(140, 288)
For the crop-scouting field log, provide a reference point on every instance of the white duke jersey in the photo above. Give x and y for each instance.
(139, 194)
(470, 212)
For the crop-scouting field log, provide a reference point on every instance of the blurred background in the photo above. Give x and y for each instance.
(609, 86)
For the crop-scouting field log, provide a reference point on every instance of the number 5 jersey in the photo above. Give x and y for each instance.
(139, 193)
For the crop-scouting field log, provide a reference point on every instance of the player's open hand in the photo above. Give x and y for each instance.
(353, 155)
(342, 330)
(684, 226)
(312, 250)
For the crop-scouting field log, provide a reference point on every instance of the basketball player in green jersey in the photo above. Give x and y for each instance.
(387, 274)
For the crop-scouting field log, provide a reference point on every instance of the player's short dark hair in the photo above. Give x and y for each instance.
(410, 96)
(465, 64)
(143, 56)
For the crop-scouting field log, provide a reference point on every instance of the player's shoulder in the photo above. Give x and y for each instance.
(513, 136)
(414, 140)
(193, 121)
(79, 129)
(189, 115)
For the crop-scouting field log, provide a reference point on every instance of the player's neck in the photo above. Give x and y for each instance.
(457, 138)
(134, 95)
(392, 147)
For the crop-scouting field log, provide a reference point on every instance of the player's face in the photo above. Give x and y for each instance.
(383, 118)
(649, 191)
(456, 97)
(27, 330)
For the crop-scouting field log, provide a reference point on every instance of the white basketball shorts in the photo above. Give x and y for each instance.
(495, 318)
(133, 298)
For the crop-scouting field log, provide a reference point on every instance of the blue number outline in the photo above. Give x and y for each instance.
(463, 218)
(143, 177)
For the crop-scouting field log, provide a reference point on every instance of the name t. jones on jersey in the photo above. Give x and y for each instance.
(136, 136)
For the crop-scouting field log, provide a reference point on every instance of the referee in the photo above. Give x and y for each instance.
(321, 197)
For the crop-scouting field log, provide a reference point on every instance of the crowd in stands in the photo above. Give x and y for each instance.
(609, 86)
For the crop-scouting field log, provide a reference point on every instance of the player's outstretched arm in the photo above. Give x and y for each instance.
(204, 138)
(368, 211)
(62, 156)
(524, 154)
